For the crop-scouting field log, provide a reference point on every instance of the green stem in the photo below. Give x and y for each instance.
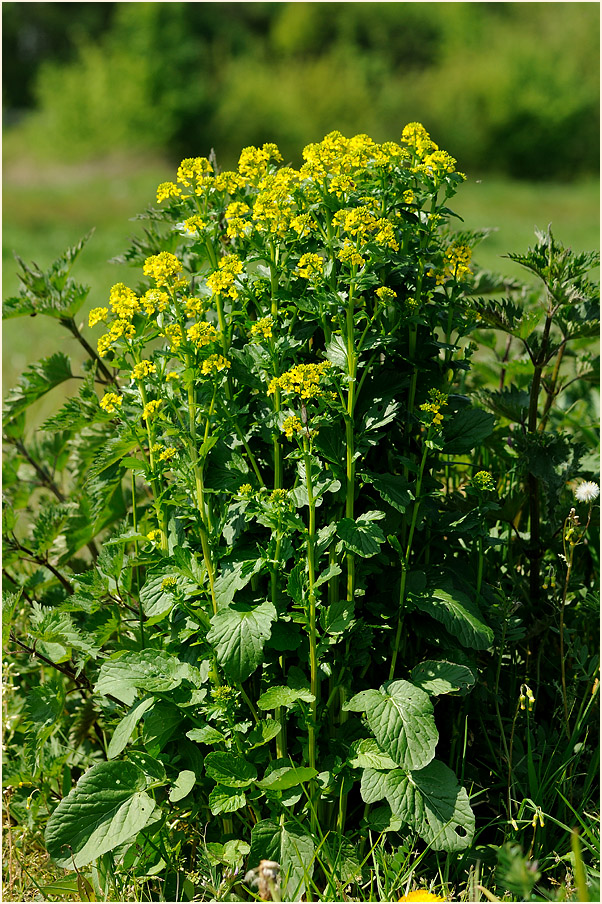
(135, 525)
(313, 640)
(349, 436)
(405, 563)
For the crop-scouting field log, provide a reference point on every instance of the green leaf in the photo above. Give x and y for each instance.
(234, 576)
(123, 731)
(401, 717)
(205, 735)
(394, 490)
(148, 670)
(336, 352)
(160, 723)
(153, 769)
(466, 429)
(226, 800)
(284, 777)
(230, 770)
(182, 786)
(263, 732)
(432, 802)
(107, 807)
(238, 634)
(366, 754)
(439, 677)
(283, 696)
(337, 617)
(289, 845)
(459, 614)
(362, 536)
(37, 380)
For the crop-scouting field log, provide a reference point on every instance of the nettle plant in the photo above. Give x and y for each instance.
(245, 566)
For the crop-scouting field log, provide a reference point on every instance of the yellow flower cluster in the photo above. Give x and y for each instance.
(169, 583)
(151, 408)
(143, 369)
(172, 375)
(163, 268)
(253, 162)
(194, 307)
(457, 261)
(117, 329)
(223, 281)
(245, 490)
(262, 328)
(360, 222)
(173, 334)
(438, 400)
(167, 454)
(278, 496)
(291, 425)
(310, 266)
(124, 301)
(97, 315)
(303, 380)
(167, 190)
(303, 224)
(273, 209)
(235, 216)
(349, 255)
(155, 300)
(418, 139)
(483, 481)
(213, 364)
(194, 224)
(193, 169)
(409, 197)
(202, 334)
(386, 294)
(438, 163)
(110, 402)
(341, 184)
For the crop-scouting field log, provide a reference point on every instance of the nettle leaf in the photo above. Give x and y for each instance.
(401, 717)
(283, 696)
(43, 709)
(226, 800)
(107, 807)
(362, 536)
(458, 613)
(439, 677)
(289, 845)
(230, 770)
(238, 634)
(35, 382)
(466, 429)
(394, 490)
(148, 670)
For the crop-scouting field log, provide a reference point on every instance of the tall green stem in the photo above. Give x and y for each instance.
(406, 561)
(349, 435)
(313, 638)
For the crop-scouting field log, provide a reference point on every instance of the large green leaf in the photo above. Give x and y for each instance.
(394, 490)
(291, 847)
(35, 382)
(149, 670)
(283, 696)
(230, 770)
(466, 430)
(459, 614)
(283, 777)
(238, 634)
(123, 731)
(226, 800)
(107, 807)
(401, 717)
(362, 536)
(234, 576)
(438, 677)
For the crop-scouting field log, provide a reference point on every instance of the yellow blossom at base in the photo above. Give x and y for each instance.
(143, 369)
(262, 328)
(421, 895)
(292, 425)
(202, 334)
(151, 408)
(214, 364)
(162, 267)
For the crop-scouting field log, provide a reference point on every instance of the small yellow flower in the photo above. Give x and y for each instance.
(151, 408)
(167, 454)
(167, 190)
(194, 224)
(262, 328)
(163, 268)
(172, 375)
(421, 894)
(278, 496)
(110, 402)
(169, 583)
(386, 294)
(214, 363)
(202, 334)
(97, 315)
(143, 369)
(457, 261)
(154, 536)
(409, 197)
(310, 266)
(124, 301)
(291, 425)
(155, 300)
(245, 490)
(483, 481)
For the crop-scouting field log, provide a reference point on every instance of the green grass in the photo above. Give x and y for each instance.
(47, 209)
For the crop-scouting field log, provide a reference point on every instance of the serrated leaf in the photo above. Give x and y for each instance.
(366, 754)
(205, 735)
(230, 770)
(226, 800)
(337, 617)
(362, 536)
(107, 807)
(234, 576)
(401, 717)
(238, 634)
(263, 732)
(439, 677)
(458, 613)
(466, 429)
(291, 847)
(37, 380)
(283, 696)
(182, 786)
(149, 670)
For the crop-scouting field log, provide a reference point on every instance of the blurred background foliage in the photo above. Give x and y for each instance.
(102, 100)
(508, 87)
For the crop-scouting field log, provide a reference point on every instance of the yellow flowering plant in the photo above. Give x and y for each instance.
(285, 550)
